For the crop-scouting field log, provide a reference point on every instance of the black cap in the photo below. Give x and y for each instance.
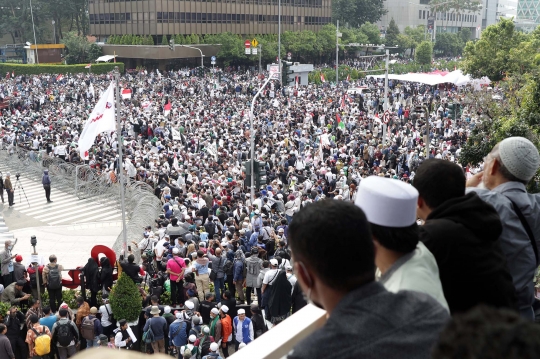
(21, 283)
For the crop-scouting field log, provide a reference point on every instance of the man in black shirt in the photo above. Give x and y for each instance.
(13, 323)
(131, 269)
(206, 306)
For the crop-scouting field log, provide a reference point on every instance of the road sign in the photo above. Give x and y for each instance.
(386, 117)
(213, 58)
(289, 54)
(274, 72)
(247, 44)
(254, 51)
(254, 43)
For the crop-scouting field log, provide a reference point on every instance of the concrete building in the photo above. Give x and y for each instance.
(493, 10)
(170, 17)
(528, 14)
(417, 12)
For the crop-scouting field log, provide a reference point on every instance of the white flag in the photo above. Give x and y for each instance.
(101, 119)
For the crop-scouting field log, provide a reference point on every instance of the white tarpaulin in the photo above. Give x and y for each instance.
(105, 58)
(434, 78)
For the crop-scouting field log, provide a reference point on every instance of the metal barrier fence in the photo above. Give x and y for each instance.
(141, 205)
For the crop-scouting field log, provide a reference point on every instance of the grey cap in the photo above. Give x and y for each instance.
(520, 156)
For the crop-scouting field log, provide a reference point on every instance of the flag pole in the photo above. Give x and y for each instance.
(120, 157)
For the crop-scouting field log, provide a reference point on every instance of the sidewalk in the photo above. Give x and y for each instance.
(70, 243)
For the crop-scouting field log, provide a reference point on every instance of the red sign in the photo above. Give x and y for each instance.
(247, 44)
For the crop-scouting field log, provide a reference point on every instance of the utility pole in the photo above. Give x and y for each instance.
(260, 56)
(120, 159)
(337, 52)
(385, 105)
(278, 46)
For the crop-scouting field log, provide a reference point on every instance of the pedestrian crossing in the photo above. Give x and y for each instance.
(65, 208)
(4, 232)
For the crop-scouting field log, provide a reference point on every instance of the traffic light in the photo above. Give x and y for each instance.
(247, 170)
(285, 72)
(452, 111)
(259, 168)
(171, 44)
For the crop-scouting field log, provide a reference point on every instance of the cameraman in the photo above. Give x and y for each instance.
(9, 189)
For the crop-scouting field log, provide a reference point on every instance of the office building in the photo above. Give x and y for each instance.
(170, 17)
(493, 10)
(417, 12)
(528, 14)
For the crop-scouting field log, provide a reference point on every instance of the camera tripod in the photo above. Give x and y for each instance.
(18, 185)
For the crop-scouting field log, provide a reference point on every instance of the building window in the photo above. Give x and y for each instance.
(419, 14)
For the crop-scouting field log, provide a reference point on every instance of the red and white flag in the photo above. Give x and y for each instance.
(296, 82)
(101, 120)
(146, 105)
(13, 74)
(88, 66)
(343, 103)
(323, 80)
(167, 109)
(126, 93)
(349, 77)
(59, 77)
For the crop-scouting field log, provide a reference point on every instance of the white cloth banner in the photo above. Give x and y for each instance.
(101, 119)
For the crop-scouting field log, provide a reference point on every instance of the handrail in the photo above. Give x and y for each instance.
(280, 340)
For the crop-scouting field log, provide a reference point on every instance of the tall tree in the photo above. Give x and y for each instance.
(357, 12)
(492, 54)
(372, 32)
(424, 53)
(392, 34)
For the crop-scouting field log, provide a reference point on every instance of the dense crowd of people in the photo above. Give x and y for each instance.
(338, 173)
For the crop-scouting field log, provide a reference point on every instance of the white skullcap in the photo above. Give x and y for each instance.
(387, 202)
(224, 308)
(214, 347)
(241, 311)
(190, 305)
(192, 338)
(520, 156)
(214, 310)
(167, 309)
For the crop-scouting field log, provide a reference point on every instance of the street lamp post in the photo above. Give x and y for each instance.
(196, 48)
(34, 29)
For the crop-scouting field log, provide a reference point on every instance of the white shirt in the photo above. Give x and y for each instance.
(270, 276)
(418, 273)
(238, 330)
(104, 315)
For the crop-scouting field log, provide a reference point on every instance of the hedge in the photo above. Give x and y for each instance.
(25, 69)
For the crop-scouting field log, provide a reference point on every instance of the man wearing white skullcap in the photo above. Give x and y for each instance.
(508, 168)
(243, 329)
(226, 328)
(403, 262)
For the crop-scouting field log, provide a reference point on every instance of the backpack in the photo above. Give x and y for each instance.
(204, 347)
(42, 343)
(33, 280)
(64, 334)
(54, 278)
(87, 328)
(148, 336)
(227, 267)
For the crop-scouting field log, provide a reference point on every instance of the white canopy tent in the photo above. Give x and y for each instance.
(438, 77)
(105, 58)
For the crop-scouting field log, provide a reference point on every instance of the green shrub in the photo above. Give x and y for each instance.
(125, 299)
(69, 296)
(25, 69)
(4, 308)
